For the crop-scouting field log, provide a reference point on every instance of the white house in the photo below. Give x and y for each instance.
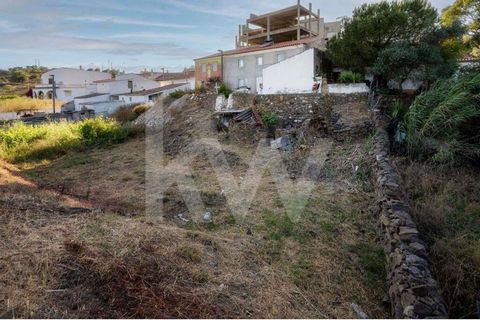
(124, 83)
(150, 96)
(284, 67)
(70, 83)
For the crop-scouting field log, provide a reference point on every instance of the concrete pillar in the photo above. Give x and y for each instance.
(310, 18)
(268, 28)
(298, 19)
(239, 35)
(318, 22)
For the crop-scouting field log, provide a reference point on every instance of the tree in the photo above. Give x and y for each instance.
(373, 27)
(433, 57)
(468, 13)
(18, 76)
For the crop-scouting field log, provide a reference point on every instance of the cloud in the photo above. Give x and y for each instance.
(8, 27)
(32, 42)
(129, 21)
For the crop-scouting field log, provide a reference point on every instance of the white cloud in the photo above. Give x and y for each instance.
(32, 43)
(129, 21)
(8, 27)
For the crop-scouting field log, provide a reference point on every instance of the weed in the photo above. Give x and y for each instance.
(12, 103)
(301, 272)
(371, 260)
(225, 90)
(350, 77)
(177, 94)
(189, 253)
(20, 142)
(278, 226)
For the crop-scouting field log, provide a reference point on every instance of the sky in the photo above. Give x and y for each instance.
(133, 35)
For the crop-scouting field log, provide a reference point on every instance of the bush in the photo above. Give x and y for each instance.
(350, 77)
(177, 94)
(126, 114)
(21, 142)
(270, 120)
(398, 110)
(444, 122)
(225, 90)
(140, 109)
(98, 131)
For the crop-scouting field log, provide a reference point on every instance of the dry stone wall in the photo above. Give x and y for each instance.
(346, 116)
(412, 290)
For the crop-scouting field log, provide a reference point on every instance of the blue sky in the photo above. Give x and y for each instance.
(132, 34)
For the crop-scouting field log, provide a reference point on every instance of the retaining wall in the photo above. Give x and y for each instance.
(345, 115)
(412, 290)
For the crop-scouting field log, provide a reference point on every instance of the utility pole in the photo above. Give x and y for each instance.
(221, 65)
(54, 92)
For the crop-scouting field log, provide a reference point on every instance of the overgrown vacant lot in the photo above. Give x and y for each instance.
(77, 244)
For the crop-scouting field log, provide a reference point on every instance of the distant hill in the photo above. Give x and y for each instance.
(21, 75)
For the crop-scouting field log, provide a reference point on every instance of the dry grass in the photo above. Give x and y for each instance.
(14, 104)
(114, 262)
(446, 205)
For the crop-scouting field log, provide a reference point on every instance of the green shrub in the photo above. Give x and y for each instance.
(21, 142)
(270, 119)
(444, 122)
(97, 131)
(140, 109)
(225, 90)
(350, 77)
(8, 96)
(398, 110)
(177, 94)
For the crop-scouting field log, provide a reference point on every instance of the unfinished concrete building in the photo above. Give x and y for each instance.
(292, 23)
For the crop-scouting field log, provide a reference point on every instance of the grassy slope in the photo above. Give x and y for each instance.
(446, 206)
(114, 262)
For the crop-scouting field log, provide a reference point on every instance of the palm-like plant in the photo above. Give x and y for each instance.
(445, 120)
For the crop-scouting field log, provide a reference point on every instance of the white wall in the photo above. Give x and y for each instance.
(79, 103)
(70, 76)
(190, 81)
(105, 108)
(341, 88)
(293, 75)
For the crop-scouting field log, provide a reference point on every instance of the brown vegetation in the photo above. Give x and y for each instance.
(112, 261)
(445, 204)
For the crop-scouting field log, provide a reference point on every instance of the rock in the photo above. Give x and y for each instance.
(207, 217)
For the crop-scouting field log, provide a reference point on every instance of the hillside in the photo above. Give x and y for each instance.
(78, 244)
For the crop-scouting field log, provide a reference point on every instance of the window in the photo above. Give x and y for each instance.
(240, 63)
(241, 83)
(280, 57)
(214, 67)
(260, 61)
(67, 93)
(204, 68)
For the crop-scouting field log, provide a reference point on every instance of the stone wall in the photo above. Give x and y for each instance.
(412, 290)
(345, 115)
